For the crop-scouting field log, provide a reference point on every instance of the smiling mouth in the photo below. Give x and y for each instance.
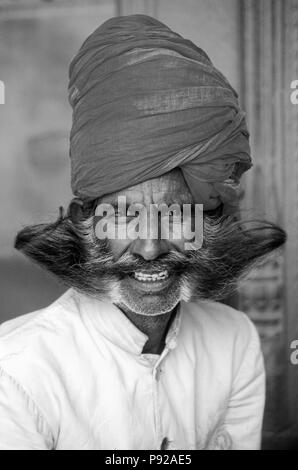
(151, 281)
(154, 276)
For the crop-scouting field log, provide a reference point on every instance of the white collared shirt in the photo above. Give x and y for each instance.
(73, 376)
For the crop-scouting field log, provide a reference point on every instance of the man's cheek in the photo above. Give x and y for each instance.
(118, 247)
(179, 245)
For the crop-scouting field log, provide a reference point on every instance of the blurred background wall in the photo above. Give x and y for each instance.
(254, 43)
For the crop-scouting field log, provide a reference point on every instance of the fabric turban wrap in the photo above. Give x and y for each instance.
(145, 101)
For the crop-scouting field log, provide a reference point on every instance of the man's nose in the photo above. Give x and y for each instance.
(149, 249)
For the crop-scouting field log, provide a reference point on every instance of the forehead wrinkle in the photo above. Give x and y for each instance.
(173, 191)
(170, 188)
(131, 195)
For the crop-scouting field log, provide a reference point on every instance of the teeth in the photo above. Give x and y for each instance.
(140, 276)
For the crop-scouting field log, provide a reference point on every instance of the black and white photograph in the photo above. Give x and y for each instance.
(149, 227)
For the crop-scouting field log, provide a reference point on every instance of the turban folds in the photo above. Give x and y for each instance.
(145, 101)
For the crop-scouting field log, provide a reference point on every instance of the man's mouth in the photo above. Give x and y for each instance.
(151, 277)
(150, 282)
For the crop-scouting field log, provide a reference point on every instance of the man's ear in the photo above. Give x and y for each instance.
(76, 209)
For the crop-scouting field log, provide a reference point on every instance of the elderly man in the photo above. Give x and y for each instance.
(139, 353)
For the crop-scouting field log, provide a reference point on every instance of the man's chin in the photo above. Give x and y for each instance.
(150, 288)
(150, 298)
(147, 309)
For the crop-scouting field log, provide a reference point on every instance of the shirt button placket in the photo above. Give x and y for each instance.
(157, 374)
(156, 378)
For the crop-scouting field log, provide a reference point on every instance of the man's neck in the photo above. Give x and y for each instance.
(155, 327)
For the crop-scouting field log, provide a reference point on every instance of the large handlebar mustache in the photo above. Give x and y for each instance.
(128, 263)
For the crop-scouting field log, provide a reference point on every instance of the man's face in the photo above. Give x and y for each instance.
(117, 268)
(151, 290)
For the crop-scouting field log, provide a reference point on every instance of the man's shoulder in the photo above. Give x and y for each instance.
(217, 313)
(32, 331)
(38, 353)
(220, 323)
(223, 338)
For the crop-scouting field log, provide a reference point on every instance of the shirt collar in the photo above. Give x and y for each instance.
(106, 319)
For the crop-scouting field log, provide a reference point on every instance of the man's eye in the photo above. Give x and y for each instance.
(119, 214)
(176, 214)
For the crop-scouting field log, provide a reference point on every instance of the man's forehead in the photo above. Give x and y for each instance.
(169, 188)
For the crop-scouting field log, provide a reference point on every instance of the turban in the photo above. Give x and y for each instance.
(145, 101)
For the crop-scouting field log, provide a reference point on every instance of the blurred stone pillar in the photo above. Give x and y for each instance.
(270, 295)
(290, 66)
